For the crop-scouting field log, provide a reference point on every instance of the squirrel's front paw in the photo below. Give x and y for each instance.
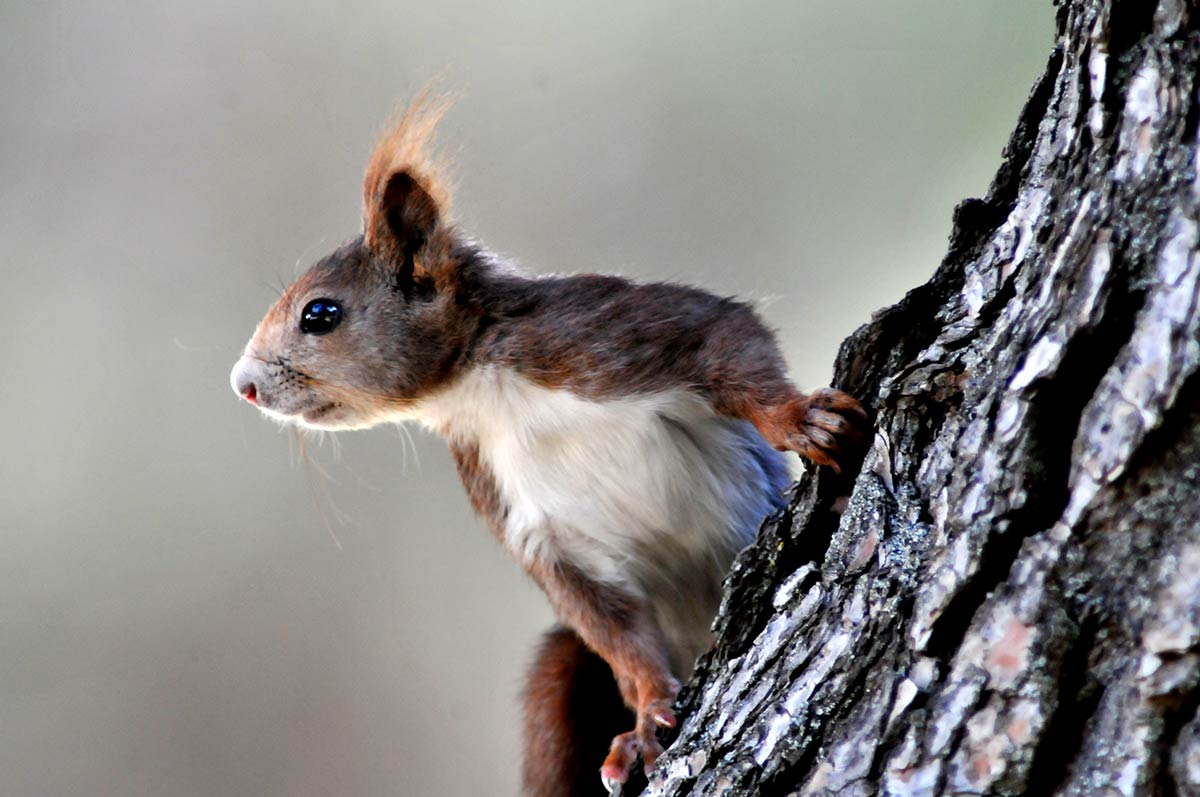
(826, 426)
(641, 740)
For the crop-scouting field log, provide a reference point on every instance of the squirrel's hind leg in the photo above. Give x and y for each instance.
(573, 709)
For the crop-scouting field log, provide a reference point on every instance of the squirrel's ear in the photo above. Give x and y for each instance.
(408, 214)
(405, 196)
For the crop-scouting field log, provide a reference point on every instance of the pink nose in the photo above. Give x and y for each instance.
(242, 380)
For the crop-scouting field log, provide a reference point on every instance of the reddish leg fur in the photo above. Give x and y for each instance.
(622, 630)
(573, 709)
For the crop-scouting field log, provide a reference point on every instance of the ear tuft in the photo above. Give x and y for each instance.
(405, 192)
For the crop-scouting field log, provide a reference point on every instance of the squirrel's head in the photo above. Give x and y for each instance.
(379, 323)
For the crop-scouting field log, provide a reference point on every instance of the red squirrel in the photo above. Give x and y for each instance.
(621, 440)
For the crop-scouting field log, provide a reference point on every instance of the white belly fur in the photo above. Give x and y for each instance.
(652, 493)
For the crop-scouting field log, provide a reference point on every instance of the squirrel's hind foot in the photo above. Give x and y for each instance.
(642, 740)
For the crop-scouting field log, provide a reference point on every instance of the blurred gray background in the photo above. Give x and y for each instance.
(177, 618)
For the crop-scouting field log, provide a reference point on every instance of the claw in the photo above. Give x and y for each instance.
(659, 712)
(612, 784)
(640, 741)
(827, 427)
(621, 755)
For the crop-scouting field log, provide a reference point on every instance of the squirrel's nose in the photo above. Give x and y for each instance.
(242, 380)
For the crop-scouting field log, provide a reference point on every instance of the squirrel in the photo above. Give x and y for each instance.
(622, 440)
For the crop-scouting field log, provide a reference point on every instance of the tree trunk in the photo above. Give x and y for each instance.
(1009, 600)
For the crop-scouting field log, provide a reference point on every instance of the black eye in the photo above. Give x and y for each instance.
(320, 316)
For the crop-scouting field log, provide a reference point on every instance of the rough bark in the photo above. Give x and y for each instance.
(1009, 600)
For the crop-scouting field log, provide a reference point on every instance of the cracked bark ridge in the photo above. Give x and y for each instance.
(1009, 602)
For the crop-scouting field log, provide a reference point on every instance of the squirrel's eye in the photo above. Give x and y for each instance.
(320, 316)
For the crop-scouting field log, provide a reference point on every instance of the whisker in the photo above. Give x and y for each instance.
(320, 490)
(279, 291)
(407, 442)
(304, 253)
